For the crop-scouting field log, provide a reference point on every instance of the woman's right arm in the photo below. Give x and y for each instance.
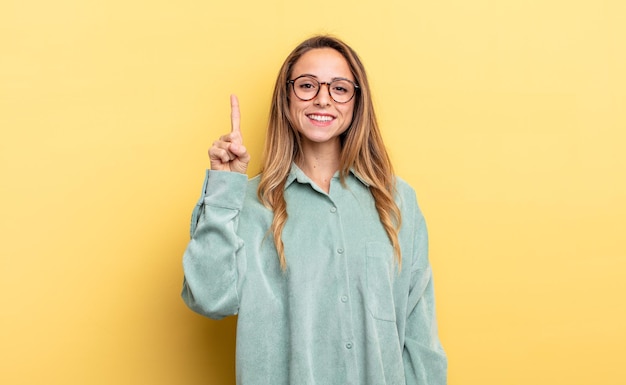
(210, 262)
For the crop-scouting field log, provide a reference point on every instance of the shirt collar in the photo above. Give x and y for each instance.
(296, 174)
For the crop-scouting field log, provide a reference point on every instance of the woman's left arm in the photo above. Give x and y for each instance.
(425, 361)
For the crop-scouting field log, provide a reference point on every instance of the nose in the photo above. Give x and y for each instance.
(323, 96)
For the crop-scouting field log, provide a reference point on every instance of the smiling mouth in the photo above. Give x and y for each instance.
(320, 118)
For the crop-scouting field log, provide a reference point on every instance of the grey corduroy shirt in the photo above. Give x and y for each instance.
(342, 313)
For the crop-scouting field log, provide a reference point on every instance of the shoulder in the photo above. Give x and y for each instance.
(406, 198)
(403, 186)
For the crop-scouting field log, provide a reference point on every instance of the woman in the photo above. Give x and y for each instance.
(324, 255)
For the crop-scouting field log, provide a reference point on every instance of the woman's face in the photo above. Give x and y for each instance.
(321, 120)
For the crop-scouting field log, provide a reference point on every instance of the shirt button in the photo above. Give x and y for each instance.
(349, 345)
(333, 209)
(340, 250)
(344, 298)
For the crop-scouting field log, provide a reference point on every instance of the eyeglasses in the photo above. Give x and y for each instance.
(306, 88)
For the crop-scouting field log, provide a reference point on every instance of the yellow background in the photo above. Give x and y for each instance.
(508, 117)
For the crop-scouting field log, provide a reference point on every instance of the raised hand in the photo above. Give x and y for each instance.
(228, 153)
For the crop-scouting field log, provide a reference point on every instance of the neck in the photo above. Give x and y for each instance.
(320, 162)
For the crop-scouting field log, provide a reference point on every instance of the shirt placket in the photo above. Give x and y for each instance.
(348, 346)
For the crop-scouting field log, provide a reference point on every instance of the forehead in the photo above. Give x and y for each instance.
(324, 63)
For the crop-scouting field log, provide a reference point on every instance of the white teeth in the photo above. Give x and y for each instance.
(321, 118)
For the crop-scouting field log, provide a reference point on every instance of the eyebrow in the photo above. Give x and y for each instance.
(332, 80)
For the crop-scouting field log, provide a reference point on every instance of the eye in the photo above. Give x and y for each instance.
(342, 87)
(306, 84)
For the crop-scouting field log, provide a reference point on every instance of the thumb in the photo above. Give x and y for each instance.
(240, 151)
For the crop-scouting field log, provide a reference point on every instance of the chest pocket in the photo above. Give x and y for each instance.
(380, 275)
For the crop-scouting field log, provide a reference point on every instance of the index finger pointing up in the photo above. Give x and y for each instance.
(235, 116)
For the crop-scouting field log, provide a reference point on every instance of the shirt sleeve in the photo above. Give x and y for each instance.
(210, 262)
(425, 361)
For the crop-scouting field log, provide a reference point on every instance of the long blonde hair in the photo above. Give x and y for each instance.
(362, 148)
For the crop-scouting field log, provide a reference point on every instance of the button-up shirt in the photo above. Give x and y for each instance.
(343, 312)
